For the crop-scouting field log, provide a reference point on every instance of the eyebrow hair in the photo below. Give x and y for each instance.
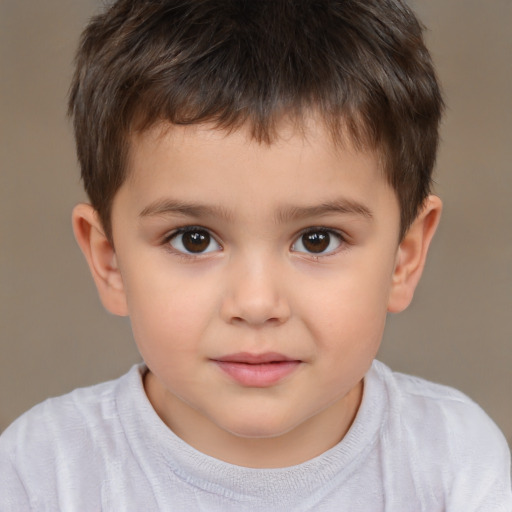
(284, 214)
(340, 206)
(171, 206)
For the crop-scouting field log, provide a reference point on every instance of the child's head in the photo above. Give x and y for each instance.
(358, 65)
(259, 174)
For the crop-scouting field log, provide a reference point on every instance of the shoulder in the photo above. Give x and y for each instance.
(60, 437)
(440, 414)
(448, 411)
(72, 413)
(450, 440)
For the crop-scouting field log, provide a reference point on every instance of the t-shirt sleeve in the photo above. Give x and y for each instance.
(13, 495)
(460, 458)
(484, 482)
(27, 461)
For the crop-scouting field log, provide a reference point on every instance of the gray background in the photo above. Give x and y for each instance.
(54, 335)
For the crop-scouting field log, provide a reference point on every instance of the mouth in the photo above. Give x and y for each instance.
(257, 370)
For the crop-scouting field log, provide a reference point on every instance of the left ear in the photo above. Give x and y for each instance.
(412, 253)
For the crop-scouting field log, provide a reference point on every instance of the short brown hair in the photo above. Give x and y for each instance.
(361, 64)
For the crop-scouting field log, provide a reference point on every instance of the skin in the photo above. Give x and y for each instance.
(255, 286)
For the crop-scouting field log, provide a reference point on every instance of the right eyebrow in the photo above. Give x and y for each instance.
(162, 207)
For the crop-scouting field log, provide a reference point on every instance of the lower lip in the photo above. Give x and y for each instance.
(258, 375)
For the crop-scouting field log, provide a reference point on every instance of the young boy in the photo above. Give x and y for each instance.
(259, 177)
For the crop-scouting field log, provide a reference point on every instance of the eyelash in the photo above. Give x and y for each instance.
(298, 239)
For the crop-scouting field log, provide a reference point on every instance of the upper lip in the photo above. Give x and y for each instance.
(249, 358)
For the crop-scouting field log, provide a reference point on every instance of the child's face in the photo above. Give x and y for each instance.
(257, 278)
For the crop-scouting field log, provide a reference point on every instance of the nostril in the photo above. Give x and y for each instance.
(252, 321)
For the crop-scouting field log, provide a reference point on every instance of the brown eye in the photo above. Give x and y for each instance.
(317, 241)
(194, 241)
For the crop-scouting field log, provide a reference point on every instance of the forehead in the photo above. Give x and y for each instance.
(293, 134)
(304, 165)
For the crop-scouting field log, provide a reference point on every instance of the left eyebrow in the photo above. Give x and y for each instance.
(340, 206)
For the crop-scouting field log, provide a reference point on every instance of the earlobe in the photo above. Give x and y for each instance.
(101, 258)
(412, 254)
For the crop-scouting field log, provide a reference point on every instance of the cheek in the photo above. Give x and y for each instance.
(168, 310)
(349, 309)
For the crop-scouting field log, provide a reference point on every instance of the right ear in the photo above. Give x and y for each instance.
(101, 258)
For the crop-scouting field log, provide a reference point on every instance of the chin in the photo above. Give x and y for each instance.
(257, 433)
(259, 428)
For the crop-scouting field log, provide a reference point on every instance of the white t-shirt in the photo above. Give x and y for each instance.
(414, 446)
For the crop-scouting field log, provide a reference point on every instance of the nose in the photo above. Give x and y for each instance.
(254, 293)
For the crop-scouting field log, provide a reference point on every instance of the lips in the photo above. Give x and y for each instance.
(257, 370)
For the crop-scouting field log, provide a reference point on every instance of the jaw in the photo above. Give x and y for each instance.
(257, 433)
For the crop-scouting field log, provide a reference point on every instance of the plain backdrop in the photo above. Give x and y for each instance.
(54, 334)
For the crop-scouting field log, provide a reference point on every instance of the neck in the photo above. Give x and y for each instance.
(306, 441)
